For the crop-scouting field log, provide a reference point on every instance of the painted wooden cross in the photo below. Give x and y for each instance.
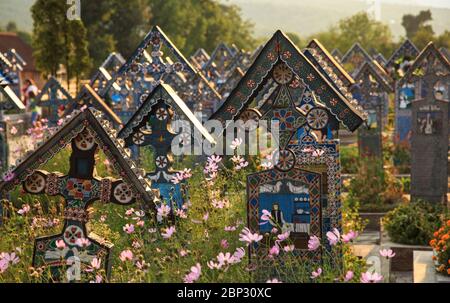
(302, 190)
(151, 126)
(87, 133)
(375, 88)
(143, 70)
(55, 99)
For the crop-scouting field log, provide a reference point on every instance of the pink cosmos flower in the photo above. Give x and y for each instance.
(129, 212)
(126, 255)
(247, 236)
(238, 255)
(223, 258)
(8, 176)
(206, 216)
(241, 165)
(313, 243)
(224, 243)
(136, 244)
(98, 279)
(168, 232)
(163, 210)
(213, 265)
(333, 236)
(184, 252)
(128, 228)
(316, 274)
(10, 258)
(181, 213)
(274, 230)
(349, 276)
(274, 280)
(283, 236)
(187, 173)
(3, 265)
(177, 178)
(289, 248)
(214, 159)
(274, 250)
(83, 242)
(60, 244)
(230, 228)
(13, 130)
(236, 143)
(387, 253)
(142, 265)
(24, 210)
(349, 237)
(60, 122)
(369, 277)
(95, 265)
(194, 275)
(220, 204)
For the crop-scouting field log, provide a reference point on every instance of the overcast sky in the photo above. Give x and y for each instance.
(435, 3)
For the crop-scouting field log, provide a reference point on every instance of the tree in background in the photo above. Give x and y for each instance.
(192, 24)
(97, 18)
(48, 40)
(58, 41)
(414, 23)
(130, 20)
(421, 33)
(79, 60)
(114, 25)
(296, 39)
(374, 36)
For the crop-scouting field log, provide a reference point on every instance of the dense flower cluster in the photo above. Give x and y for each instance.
(441, 246)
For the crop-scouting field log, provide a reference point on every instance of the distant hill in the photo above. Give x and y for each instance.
(307, 17)
(304, 17)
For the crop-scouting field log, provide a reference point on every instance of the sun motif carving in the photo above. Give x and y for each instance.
(138, 138)
(35, 183)
(317, 118)
(123, 193)
(84, 141)
(161, 161)
(161, 114)
(282, 74)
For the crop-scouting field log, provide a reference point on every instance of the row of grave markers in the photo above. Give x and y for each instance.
(309, 93)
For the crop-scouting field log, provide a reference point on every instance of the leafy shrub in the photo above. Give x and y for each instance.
(351, 220)
(413, 223)
(406, 183)
(349, 159)
(374, 188)
(441, 246)
(402, 158)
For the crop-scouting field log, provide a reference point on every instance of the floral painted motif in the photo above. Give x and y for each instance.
(286, 119)
(79, 189)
